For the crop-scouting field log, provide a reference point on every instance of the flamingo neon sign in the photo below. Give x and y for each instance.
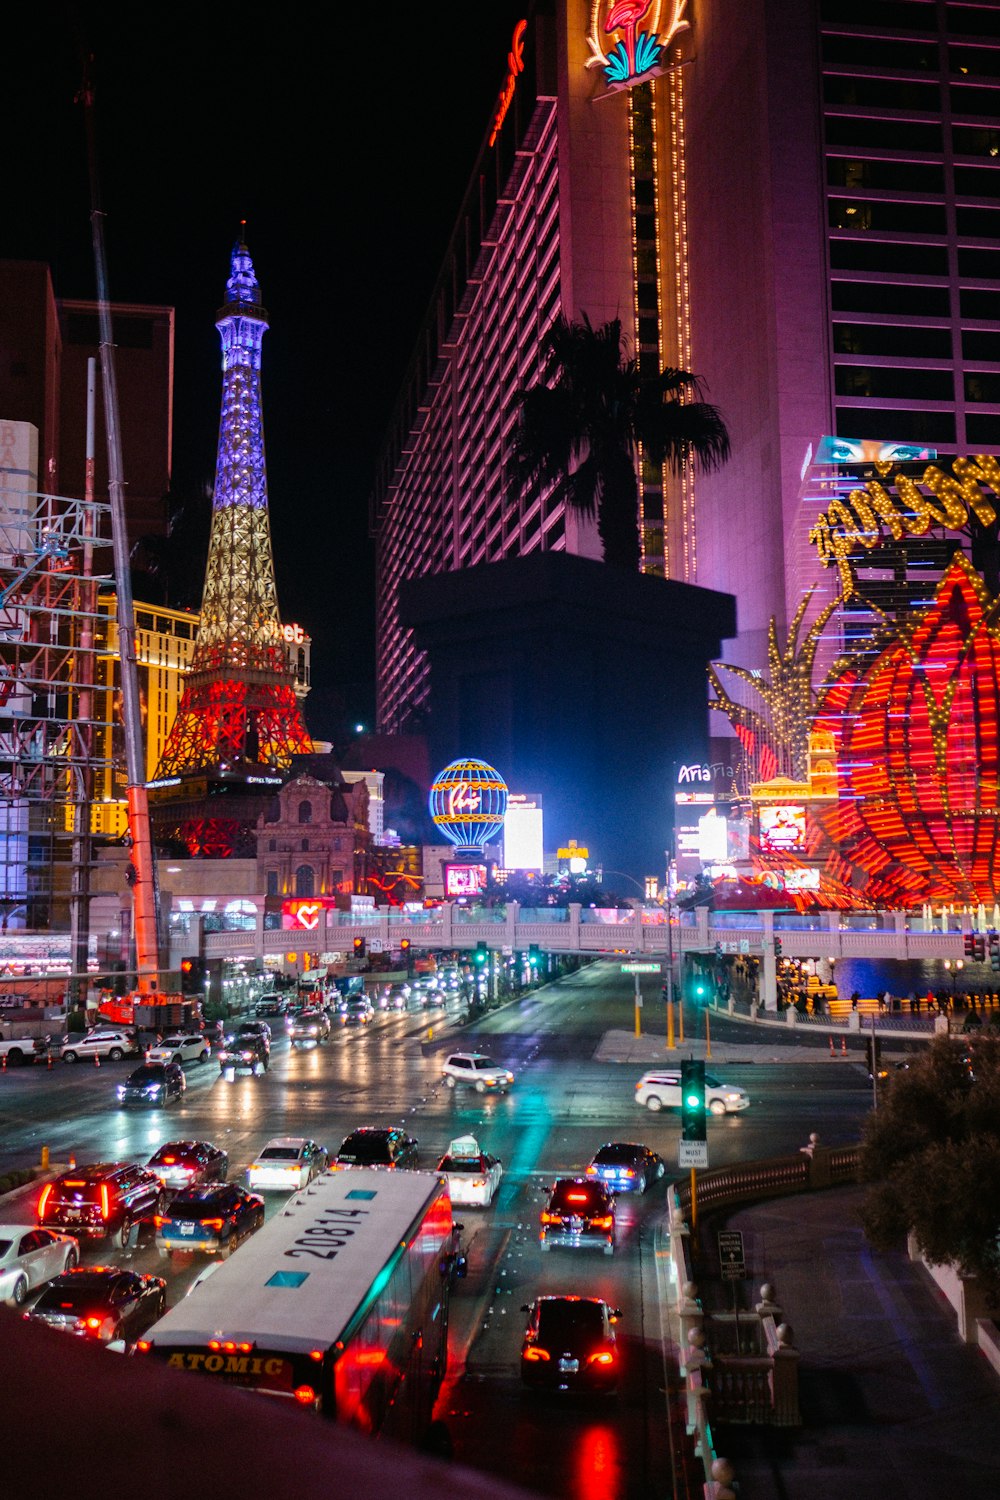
(627, 54)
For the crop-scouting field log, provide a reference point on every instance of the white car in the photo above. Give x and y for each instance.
(112, 1043)
(473, 1175)
(29, 1257)
(181, 1048)
(661, 1089)
(479, 1072)
(287, 1163)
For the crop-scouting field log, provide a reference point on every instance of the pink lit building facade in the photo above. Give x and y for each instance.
(803, 208)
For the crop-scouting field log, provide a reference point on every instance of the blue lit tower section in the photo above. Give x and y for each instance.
(239, 715)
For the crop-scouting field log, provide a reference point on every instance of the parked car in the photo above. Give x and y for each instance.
(183, 1047)
(578, 1213)
(270, 1005)
(374, 1146)
(215, 1217)
(661, 1089)
(102, 1302)
(17, 1050)
(184, 1164)
(155, 1083)
(29, 1257)
(286, 1163)
(243, 1052)
(626, 1167)
(570, 1344)
(473, 1174)
(95, 1202)
(478, 1072)
(310, 1028)
(111, 1043)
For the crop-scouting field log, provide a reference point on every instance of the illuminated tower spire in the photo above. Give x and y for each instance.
(239, 713)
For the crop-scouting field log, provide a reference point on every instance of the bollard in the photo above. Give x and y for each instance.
(430, 1033)
(45, 1158)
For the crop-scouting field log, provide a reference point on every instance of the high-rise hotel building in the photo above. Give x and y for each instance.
(799, 200)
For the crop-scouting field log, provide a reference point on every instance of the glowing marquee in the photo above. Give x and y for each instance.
(783, 827)
(464, 880)
(515, 66)
(468, 802)
(626, 54)
(304, 914)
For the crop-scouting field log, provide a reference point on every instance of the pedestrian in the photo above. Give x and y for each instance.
(854, 1000)
(911, 1000)
(884, 1002)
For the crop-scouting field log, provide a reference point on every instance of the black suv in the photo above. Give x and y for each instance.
(243, 1052)
(371, 1146)
(96, 1202)
(579, 1213)
(154, 1083)
(102, 1302)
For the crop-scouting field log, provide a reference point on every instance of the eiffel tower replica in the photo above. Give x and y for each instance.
(239, 722)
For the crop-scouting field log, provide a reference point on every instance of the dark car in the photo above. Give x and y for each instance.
(243, 1052)
(110, 1198)
(626, 1167)
(310, 1028)
(156, 1084)
(256, 1028)
(215, 1217)
(184, 1164)
(371, 1146)
(579, 1213)
(101, 1302)
(569, 1344)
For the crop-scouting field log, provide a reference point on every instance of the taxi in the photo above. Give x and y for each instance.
(473, 1174)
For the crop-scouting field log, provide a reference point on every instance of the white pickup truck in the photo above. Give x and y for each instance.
(23, 1049)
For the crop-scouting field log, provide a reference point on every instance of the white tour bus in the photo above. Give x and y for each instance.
(339, 1303)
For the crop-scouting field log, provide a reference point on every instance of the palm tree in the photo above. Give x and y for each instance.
(582, 429)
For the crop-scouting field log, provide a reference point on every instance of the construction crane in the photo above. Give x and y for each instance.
(142, 868)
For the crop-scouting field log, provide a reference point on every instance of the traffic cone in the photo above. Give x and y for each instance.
(97, 1061)
(3, 1065)
(48, 1063)
(843, 1046)
(833, 1050)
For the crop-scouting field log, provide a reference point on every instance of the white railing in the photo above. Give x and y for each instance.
(630, 931)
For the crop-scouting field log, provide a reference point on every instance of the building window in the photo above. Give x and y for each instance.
(305, 881)
(305, 812)
(272, 846)
(272, 882)
(305, 846)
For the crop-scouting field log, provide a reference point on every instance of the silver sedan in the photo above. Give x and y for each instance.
(30, 1257)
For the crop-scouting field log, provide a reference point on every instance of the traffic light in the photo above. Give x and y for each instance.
(192, 976)
(481, 954)
(692, 1100)
(777, 947)
(979, 950)
(970, 945)
(360, 947)
(718, 950)
(533, 953)
(404, 945)
(995, 951)
(873, 1045)
(699, 987)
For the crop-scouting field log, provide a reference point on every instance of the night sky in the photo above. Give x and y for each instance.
(345, 137)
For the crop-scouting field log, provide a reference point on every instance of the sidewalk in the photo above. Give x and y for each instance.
(650, 1050)
(893, 1403)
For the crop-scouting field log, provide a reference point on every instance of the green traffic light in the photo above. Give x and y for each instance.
(693, 1102)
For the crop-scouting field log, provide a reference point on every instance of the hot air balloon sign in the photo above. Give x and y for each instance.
(468, 801)
(630, 39)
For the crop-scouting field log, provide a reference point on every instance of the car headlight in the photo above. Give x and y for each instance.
(120, 1091)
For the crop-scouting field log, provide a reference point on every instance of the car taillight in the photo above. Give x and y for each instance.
(533, 1353)
(158, 1221)
(548, 1218)
(211, 1224)
(604, 1223)
(105, 1202)
(168, 1161)
(592, 1171)
(143, 1346)
(603, 1358)
(305, 1394)
(576, 1198)
(480, 1182)
(629, 1172)
(43, 1200)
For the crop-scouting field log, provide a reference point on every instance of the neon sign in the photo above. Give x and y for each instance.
(304, 915)
(627, 55)
(515, 65)
(468, 802)
(464, 880)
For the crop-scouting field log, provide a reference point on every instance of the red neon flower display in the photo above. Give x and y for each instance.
(917, 752)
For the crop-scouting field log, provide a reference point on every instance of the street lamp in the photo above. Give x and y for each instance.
(954, 968)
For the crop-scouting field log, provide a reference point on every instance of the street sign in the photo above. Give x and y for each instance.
(376, 945)
(692, 1153)
(731, 1257)
(640, 968)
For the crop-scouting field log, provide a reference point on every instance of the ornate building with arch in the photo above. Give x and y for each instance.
(315, 840)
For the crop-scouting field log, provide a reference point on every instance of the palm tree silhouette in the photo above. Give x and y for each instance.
(582, 429)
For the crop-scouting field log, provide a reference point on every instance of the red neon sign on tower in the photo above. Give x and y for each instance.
(515, 65)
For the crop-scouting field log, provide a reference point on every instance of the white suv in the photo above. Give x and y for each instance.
(661, 1089)
(479, 1072)
(112, 1043)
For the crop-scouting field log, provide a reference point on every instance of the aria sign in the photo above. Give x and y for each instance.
(630, 39)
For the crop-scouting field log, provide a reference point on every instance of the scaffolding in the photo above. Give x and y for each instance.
(55, 557)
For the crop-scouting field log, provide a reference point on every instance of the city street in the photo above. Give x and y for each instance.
(562, 1107)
